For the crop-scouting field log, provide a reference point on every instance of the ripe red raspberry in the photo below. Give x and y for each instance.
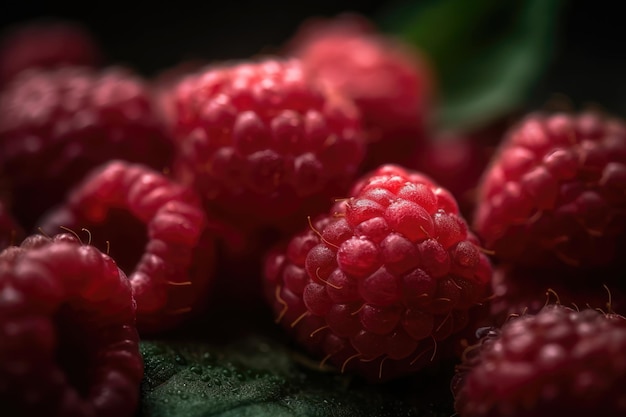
(45, 44)
(518, 290)
(10, 232)
(560, 362)
(264, 144)
(62, 123)
(374, 286)
(554, 195)
(391, 83)
(68, 341)
(456, 161)
(156, 231)
(164, 84)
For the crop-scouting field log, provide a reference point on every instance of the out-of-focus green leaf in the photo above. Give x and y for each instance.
(487, 54)
(255, 376)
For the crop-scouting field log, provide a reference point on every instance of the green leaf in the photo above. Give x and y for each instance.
(487, 54)
(256, 376)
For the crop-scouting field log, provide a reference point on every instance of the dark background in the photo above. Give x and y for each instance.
(588, 66)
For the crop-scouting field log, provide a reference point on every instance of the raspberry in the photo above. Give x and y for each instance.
(156, 231)
(391, 83)
(10, 232)
(264, 144)
(164, 83)
(62, 123)
(456, 161)
(554, 195)
(68, 341)
(45, 44)
(375, 285)
(518, 290)
(559, 362)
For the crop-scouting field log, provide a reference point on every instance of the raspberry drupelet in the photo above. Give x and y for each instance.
(554, 195)
(264, 144)
(56, 125)
(156, 231)
(68, 341)
(376, 284)
(391, 83)
(559, 362)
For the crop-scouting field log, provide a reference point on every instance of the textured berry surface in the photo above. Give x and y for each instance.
(390, 83)
(554, 195)
(374, 286)
(68, 341)
(263, 143)
(560, 362)
(155, 230)
(518, 290)
(62, 123)
(45, 44)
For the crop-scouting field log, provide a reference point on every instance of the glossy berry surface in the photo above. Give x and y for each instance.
(154, 228)
(68, 341)
(264, 144)
(557, 362)
(62, 123)
(373, 286)
(554, 195)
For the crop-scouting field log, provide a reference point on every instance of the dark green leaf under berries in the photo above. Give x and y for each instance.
(256, 376)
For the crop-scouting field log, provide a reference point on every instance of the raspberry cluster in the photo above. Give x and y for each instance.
(313, 184)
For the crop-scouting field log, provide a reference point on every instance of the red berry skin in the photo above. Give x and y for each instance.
(263, 144)
(156, 231)
(456, 161)
(387, 275)
(554, 196)
(391, 83)
(68, 341)
(45, 44)
(559, 362)
(62, 123)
